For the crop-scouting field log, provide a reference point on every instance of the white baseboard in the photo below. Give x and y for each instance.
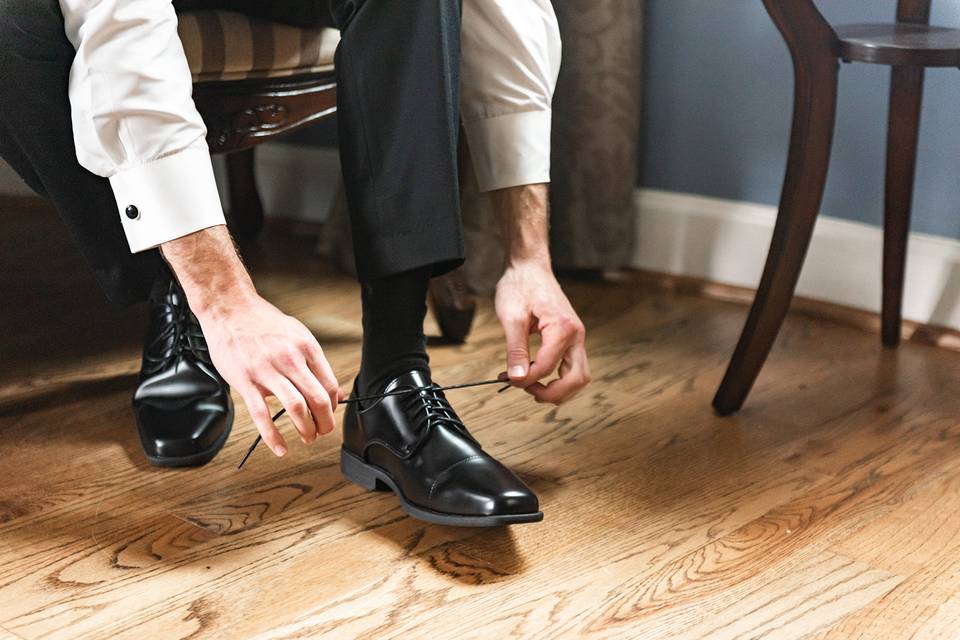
(726, 241)
(723, 241)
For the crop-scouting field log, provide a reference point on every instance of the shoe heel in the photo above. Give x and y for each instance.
(358, 473)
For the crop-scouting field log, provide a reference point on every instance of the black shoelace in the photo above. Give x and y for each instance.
(181, 334)
(432, 404)
(429, 407)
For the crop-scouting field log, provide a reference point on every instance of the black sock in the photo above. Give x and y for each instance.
(393, 342)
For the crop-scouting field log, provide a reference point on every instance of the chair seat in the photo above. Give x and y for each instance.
(900, 44)
(224, 45)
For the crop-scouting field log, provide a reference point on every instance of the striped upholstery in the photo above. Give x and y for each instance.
(224, 45)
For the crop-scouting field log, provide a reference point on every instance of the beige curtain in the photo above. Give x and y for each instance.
(596, 133)
(595, 152)
(595, 147)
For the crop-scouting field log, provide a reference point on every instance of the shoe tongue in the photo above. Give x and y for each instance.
(415, 378)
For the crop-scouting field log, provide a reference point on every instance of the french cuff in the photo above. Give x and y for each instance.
(167, 199)
(510, 150)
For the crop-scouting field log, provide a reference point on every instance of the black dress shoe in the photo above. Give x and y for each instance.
(183, 407)
(415, 445)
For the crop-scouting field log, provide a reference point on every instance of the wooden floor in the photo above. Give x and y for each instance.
(829, 508)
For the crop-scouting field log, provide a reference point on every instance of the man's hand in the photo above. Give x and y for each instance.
(259, 351)
(262, 352)
(529, 299)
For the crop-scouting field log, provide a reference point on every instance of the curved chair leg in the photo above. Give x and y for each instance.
(906, 98)
(810, 143)
(246, 208)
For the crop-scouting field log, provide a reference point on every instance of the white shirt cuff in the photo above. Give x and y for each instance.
(167, 199)
(510, 150)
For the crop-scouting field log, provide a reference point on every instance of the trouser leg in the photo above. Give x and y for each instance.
(398, 113)
(37, 141)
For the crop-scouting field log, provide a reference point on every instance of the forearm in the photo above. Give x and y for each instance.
(529, 299)
(523, 218)
(210, 271)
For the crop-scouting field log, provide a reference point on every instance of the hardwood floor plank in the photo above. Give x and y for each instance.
(827, 506)
(943, 624)
(921, 540)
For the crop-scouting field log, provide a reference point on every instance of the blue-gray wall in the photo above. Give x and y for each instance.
(718, 99)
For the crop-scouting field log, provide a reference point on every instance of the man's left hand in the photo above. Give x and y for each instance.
(529, 300)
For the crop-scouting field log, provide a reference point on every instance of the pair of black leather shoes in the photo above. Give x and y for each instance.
(415, 445)
(412, 443)
(183, 408)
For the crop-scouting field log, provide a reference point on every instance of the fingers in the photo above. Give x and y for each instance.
(517, 331)
(574, 376)
(318, 400)
(296, 406)
(300, 377)
(261, 418)
(306, 381)
(556, 339)
(317, 362)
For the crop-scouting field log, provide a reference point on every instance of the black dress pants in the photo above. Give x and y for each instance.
(398, 78)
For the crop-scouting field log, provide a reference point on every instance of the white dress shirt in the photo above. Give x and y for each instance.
(511, 58)
(134, 120)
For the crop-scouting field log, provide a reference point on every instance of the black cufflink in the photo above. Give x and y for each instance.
(132, 212)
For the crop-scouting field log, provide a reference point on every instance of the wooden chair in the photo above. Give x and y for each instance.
(908, 46)
(256, 80)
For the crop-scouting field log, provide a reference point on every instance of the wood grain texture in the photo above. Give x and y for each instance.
(829, 507)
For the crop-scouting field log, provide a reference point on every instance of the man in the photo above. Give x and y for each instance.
(115, 95)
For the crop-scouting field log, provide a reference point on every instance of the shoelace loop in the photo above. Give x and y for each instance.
(431, 408)
(182, 334)
(396, 392)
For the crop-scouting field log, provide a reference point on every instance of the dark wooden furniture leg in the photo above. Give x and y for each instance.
(241, 114)
(812, 46)
(246, 208)
(454, 306)
(906, 98)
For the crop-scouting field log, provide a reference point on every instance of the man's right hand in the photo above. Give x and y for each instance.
(259, 350)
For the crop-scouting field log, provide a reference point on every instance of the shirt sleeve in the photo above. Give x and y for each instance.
(134, 120)
(511, 59)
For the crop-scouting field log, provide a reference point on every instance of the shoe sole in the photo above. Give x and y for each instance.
(373, 478)
(199, 458)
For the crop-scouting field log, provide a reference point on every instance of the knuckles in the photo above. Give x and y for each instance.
(322, 402)
(297, 407)
(571, 326)
(518, 353)
(307, 344)
(287, 357)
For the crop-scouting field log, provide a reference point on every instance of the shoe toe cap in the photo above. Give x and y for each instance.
(482, 487)
(179, 432)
